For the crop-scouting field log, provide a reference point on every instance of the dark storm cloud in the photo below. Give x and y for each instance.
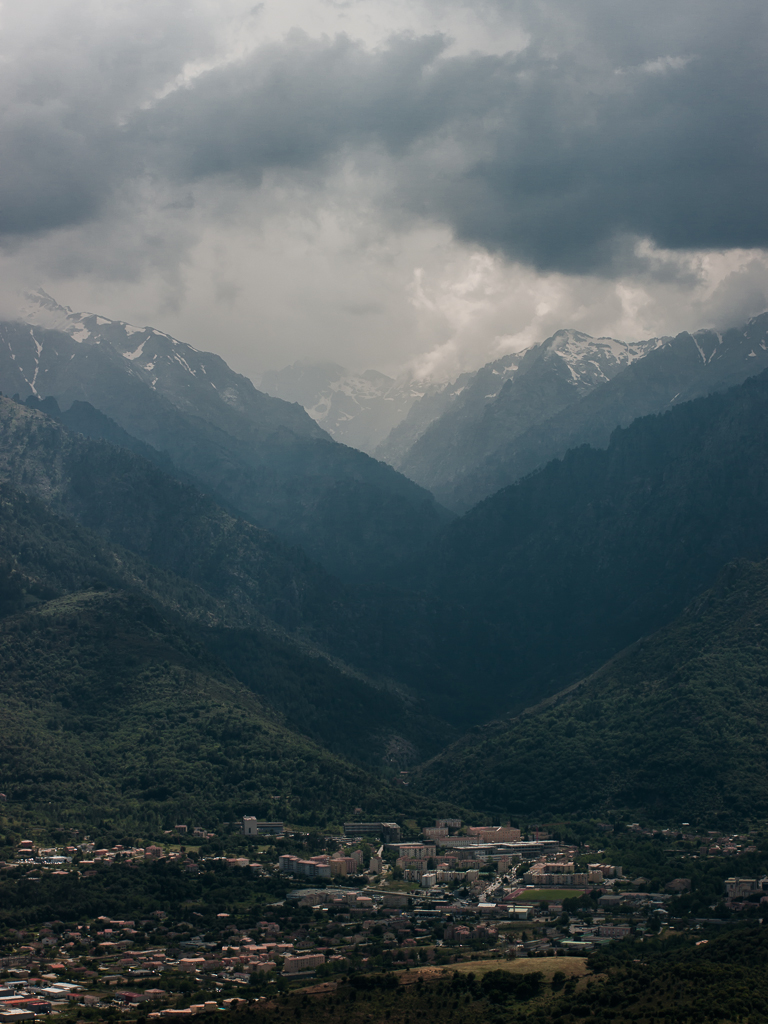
(582, 163)
(610, 125)
(70, 78)
(52, 174)
(562, 161)
(294, 105)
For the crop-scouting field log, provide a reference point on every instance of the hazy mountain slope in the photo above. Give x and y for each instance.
(199, 384)
(270, 613)
(131, 503)
(264, 457)
(435, 422)
(673, 727)
(83, 418)
(46, 555)
(109, 711)
(685, 367)
(424, 411)
(358, 409)
(571, 564)
(506, 397)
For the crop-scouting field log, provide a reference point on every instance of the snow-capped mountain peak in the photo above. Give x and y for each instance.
(356, 408)
(592, 361)
(197, 382)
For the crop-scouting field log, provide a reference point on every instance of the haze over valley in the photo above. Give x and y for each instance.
(383, 512)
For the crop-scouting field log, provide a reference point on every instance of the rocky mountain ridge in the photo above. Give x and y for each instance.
(506, 397)
(679, 369)
(197, 383)
(258, 455)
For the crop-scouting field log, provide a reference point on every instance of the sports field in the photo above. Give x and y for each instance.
(546, 895)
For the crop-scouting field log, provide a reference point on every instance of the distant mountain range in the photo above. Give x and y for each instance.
(358, 409)
(506, 396)
(517, 413)
(261, 456)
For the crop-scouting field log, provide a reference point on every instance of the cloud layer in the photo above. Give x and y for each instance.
(611, 144)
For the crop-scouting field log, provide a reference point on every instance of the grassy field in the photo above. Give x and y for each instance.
(546, 895)
(571, 966)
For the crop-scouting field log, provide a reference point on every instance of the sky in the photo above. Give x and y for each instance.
(410, 186)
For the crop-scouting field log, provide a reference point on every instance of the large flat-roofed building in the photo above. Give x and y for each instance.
(491, 851)
(413, 851)
(314, 867)
(254, 827)
(435, 833)
(387, 831)
(299, 964)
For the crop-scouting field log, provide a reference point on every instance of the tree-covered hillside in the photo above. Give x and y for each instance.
(112, 712)
(674, 727)
(47, 555)
(132, 503)
(178, 546)
(562, 570)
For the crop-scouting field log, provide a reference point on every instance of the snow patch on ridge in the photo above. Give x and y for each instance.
(136, 353)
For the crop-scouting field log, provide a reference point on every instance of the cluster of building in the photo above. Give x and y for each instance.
(426, 899)
(86, 859)
(22, 1001)
(741, 892)
(324, 865)
(447, 854)
(56, 968)
(545, 873)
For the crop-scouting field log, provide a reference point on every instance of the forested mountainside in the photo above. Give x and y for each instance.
(580, 559)
(112, 712)
(92, 514)
(402, 640)
(259, 455)
(672, 728)
(535, 586)
(132, 503)
(509, 395)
